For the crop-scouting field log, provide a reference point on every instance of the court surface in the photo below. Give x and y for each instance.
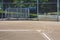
(29, 30)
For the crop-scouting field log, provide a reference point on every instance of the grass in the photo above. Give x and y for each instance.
(53, 13)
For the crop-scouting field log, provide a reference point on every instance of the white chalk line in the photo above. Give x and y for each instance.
(21, 30)
(44, 35)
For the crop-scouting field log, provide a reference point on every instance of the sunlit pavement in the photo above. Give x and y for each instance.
(29, 30)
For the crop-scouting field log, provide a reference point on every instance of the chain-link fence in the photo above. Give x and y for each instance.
(32, 10)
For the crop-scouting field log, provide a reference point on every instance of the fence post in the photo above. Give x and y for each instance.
(37, 9)
(57, 10)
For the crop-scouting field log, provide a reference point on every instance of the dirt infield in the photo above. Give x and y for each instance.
(41, 25)
(50, 28)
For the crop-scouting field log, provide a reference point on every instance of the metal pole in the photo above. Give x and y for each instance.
(28, 14)
(37, 9)
(17, 13)
(57, 10)
(2, 10)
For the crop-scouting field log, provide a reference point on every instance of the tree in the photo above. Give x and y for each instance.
(48, 6)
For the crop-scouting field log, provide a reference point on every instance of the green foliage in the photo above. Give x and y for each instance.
(20, 3)
(0, 0)
(32, 15)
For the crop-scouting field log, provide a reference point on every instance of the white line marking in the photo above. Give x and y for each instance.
(16, 30)
(38, 30)
(21, 30)
(46, 36)
(43, 34)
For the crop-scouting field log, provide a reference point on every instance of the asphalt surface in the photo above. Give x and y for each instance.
(29, 30)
